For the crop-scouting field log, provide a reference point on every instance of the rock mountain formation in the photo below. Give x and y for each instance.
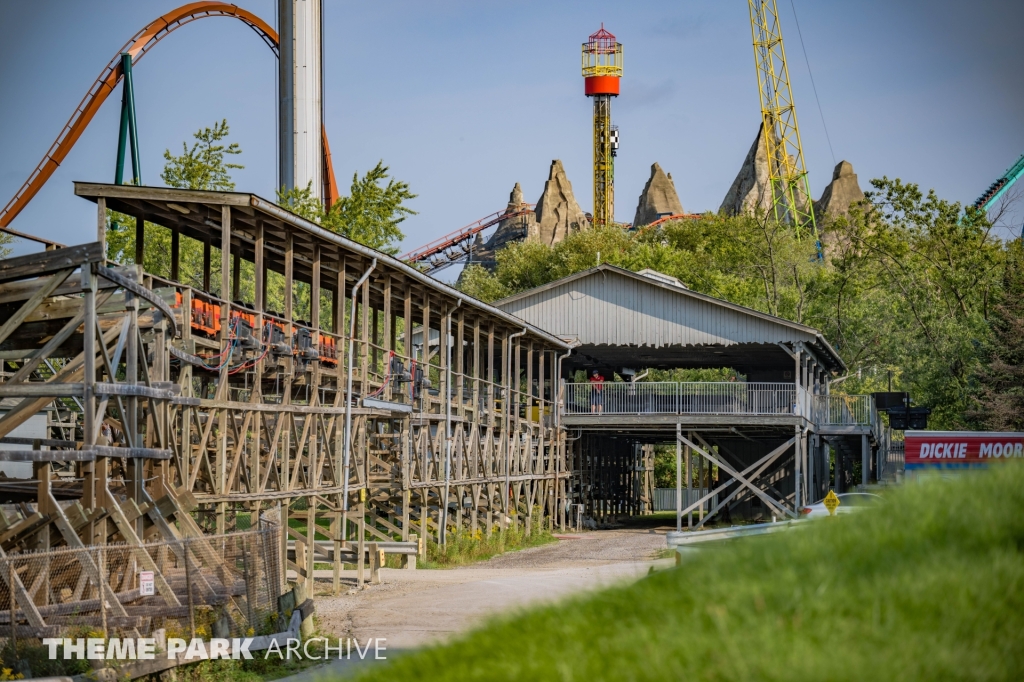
(750, 191)
(659, 198)
(556, 215)
(557, 212)
(840, 193)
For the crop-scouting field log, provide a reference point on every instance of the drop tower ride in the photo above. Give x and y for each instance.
(602, 70)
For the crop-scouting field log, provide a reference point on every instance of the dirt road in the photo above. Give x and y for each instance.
(414, 608)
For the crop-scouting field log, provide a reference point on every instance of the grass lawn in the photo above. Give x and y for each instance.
(928, 587)
(300, 526)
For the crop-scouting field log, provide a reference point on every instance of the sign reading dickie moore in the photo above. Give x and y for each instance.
(960, 449)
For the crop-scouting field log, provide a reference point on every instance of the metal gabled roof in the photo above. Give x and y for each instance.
(610, 306)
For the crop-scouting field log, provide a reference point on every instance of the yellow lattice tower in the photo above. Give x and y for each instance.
(602, 69)
(787, 173)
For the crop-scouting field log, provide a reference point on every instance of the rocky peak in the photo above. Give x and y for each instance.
(750, 190)
(558, 213)
(658, 199)
(840, 193)
(515, 198)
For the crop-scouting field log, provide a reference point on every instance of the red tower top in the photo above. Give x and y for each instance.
(602, 63)
(603, 41)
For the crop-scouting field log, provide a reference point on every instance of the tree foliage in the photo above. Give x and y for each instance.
(204, 165)
(908, 286)
(371, 214)
(1001, 382)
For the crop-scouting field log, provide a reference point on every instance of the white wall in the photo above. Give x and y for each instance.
(35, 427)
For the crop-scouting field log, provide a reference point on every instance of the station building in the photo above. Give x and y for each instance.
(758, 443)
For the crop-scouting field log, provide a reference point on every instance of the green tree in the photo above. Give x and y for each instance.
(1001, 380)
(204, 165)
(911, 292)
(371, 214)
(748, 260)
(907, 287)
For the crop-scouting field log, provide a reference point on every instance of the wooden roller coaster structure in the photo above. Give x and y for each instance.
(399, 409)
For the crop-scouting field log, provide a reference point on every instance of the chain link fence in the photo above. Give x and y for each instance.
(214, 586)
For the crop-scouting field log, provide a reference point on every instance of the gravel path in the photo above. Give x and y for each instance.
(585, 549)
(415, 608)
(412, 608)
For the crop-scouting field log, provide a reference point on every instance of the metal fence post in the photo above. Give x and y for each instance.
(188, 587)
(245, 575)
(100, 568)
(14, 611)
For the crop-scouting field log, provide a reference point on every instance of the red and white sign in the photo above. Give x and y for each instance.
(951, 449)
(147, 583)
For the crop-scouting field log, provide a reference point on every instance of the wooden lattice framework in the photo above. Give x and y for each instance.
(195, 412)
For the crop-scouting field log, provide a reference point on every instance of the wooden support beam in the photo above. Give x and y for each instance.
(140, 240)
(289, 278)
(40, 264)
(314, 296)
(260, 267)
(101, 223)
(176, 253)
(206, 263)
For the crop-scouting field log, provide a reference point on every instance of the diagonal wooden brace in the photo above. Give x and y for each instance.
(742, 479)
(48, 287)
(21, 594)
(758, 468)
(125, 526)
(71, 537)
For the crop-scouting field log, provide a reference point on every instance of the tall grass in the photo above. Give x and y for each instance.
(928, 587)
(463, 547)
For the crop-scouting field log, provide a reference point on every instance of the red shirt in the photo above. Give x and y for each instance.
(596, 382)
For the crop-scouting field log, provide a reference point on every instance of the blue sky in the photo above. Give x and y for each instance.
(463, 99)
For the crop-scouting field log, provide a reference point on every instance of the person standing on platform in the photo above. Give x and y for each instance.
(596, 392)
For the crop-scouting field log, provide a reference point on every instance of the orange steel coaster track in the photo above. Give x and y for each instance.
(108, 79)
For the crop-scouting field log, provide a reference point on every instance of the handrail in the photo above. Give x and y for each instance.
(669, 397)
(717, 397)
(843, 410)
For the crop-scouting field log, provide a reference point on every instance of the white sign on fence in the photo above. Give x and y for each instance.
(147, 584)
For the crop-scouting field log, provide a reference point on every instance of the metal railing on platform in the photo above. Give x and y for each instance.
(687, 397)
(842, 410)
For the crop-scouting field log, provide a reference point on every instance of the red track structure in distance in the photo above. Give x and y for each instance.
(462, 235)
(661, 221)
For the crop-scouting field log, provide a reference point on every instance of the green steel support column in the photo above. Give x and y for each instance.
(122, 138)
(133, 128)
(129, 128)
